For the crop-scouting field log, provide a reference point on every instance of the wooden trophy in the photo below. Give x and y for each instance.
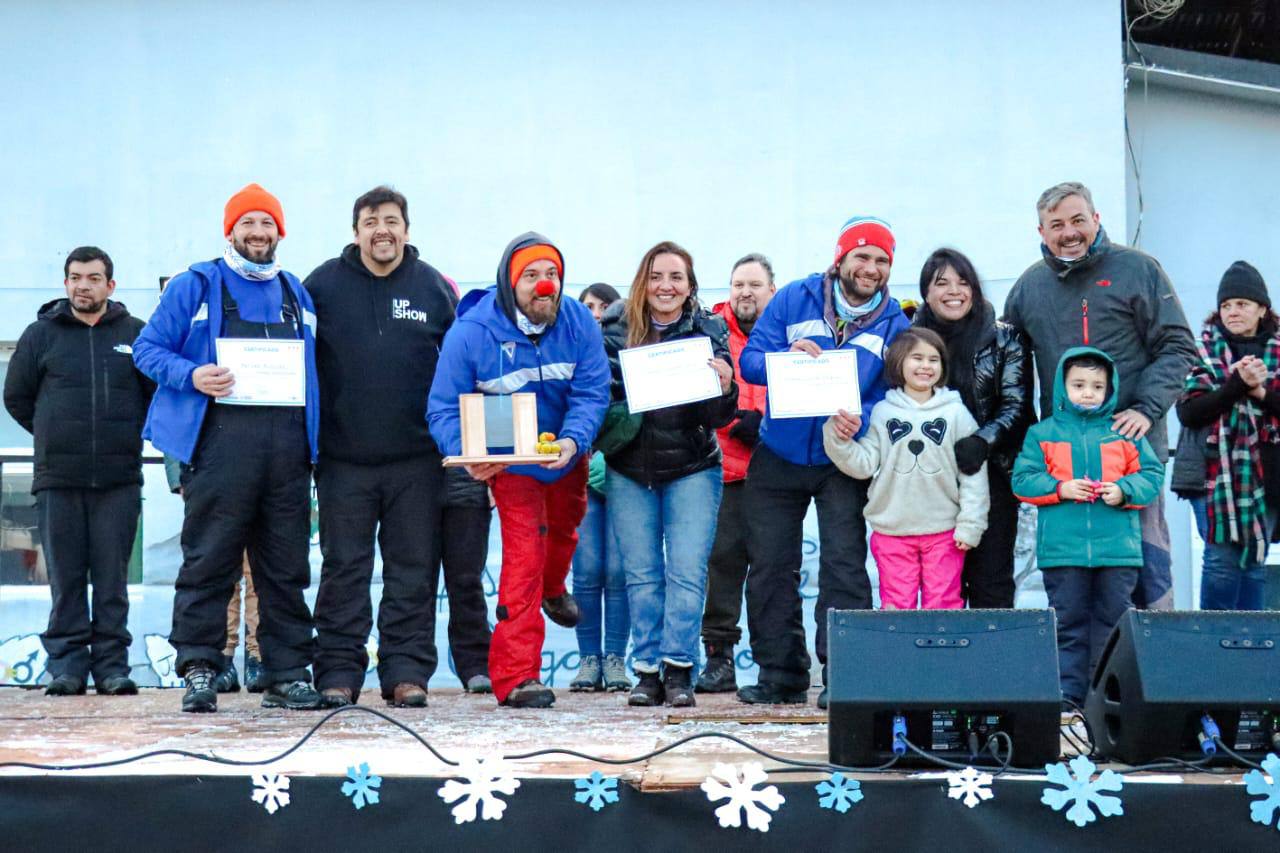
(475, 436)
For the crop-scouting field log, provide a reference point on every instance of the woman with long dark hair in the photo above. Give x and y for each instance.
(1234, 394)
(990, 368)
(663, 486)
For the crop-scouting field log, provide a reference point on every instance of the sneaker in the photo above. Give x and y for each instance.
(648, 692)
(765, 693)
(228, 681)
(615, 674)
(479, 684)
(562, 610)
(677, 684)
(337, 697)
(253, 674)
(201, 697)
(406, 694)
(822, 699)
(530, 694)
(589, 678)
(295, 695)
(65, 685)
(116, 685)
(720, 675)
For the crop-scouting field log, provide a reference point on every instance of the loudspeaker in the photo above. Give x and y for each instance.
(1161, 672)
(955, 675)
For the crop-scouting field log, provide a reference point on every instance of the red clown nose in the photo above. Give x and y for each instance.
(545, 288)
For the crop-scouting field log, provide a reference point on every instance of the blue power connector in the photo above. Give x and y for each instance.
(899, 734)
(1209, 735)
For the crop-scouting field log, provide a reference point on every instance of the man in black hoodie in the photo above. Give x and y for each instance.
(382, 314)
(72, 384)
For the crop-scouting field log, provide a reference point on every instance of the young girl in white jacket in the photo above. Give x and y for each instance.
(923, 512)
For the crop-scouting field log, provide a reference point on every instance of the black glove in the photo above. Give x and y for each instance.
(971, 452)
(747, 429)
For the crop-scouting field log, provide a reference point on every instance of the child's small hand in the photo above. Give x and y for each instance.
(1076, 490)
(963, 546)
(1111, 494)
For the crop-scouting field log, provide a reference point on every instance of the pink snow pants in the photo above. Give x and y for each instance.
(925, 568)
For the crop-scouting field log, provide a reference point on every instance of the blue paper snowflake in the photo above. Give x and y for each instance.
(362, 786)
(1256, 782)
(596, 790)
(839, 793)
(1082, 791)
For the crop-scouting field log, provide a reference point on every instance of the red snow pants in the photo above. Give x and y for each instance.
(539, 523)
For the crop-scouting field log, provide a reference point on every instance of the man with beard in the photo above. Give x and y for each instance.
(750, 289)
(1088, 291)
(382, 313)
(521, 336)
(246, 468)
(72, 384)
(847, 307)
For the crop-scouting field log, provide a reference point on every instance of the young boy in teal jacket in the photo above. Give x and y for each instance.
(1088, 483)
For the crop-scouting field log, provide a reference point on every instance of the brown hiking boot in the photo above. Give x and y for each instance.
(408, 695)
(337, 697)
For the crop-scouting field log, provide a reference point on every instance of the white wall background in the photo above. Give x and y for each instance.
(730, 127)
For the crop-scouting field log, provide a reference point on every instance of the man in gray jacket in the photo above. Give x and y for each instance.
(1087, 290)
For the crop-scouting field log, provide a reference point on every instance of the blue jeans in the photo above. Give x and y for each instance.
(1225, 584)
(597, 576)
(666, 587)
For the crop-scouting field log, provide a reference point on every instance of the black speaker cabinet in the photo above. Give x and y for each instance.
(955, 675)
(1160, 673)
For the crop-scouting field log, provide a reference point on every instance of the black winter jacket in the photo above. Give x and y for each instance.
(74, 387)
(1000, 397)
(681, 440)
(377, 343)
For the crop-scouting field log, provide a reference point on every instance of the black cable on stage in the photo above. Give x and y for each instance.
(792, 765)
(1235, 755)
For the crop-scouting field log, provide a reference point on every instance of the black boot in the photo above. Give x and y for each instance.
(677, 683)
(562, 610)
(201, 696)
(253, 674)
(65, 685)
(766, 693)
(116, 685)
(719, 675)
(648, 692)
(228, 681)
(530, 694)
(294, 695)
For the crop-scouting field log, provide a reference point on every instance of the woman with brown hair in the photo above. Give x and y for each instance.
(663, 486)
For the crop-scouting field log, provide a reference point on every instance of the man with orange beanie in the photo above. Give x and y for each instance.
(246, 473)
(520, 335)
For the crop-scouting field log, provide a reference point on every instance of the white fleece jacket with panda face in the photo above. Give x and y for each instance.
(908, 451)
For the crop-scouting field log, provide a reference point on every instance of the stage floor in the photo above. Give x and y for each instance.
(82, 729)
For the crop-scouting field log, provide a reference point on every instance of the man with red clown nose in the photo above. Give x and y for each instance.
(521, 336)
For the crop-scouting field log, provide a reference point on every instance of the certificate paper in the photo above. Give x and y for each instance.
(801, 386)
(267, 372)
(669, 374)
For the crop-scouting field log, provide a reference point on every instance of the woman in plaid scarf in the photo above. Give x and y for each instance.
(1235, 392)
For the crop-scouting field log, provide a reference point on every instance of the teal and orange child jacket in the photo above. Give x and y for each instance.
(1073, 444)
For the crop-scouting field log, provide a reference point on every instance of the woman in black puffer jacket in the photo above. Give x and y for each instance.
(990, 367)
(663, 487)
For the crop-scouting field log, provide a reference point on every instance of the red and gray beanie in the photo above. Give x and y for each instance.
(864, 231)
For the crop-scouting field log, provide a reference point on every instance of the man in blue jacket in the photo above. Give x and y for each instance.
(522, 336)
(246, 468)
(847, 307)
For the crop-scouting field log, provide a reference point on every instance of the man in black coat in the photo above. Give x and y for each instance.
(72, 384)
(382, 314)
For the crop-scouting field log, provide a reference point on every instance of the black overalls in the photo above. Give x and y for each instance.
(248, 487)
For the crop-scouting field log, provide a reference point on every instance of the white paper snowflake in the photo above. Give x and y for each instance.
(970, 784)
(485, 777)
(1082, 791)
(743, 795)
(271, 790)
(1265, 781)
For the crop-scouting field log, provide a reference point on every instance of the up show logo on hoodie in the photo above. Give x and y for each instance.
(402, 310)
